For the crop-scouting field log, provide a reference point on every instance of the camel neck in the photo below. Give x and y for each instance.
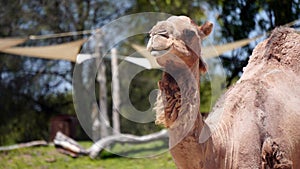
(180, 88)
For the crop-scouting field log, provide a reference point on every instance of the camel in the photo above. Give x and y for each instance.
(255, 124)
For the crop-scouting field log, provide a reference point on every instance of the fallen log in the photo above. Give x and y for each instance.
(97, 147)
(24, 145)
(67, 145)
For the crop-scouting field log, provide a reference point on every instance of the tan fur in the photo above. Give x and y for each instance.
(254, 125)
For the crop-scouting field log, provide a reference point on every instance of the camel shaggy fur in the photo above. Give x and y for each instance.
(255, 124)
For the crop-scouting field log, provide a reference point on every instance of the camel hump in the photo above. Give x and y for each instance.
(273, 157)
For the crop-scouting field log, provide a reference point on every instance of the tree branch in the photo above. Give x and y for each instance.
(23, 145)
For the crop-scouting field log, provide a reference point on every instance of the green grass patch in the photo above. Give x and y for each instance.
(49, 158)
(140, 150)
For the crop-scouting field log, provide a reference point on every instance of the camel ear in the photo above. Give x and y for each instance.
(205, 29)
(202, 66)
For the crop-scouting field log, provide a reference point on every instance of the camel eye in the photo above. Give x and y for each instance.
(163, 34)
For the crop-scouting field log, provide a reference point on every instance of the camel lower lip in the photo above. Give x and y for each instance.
(157, 53)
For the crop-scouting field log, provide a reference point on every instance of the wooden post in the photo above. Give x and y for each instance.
(115, 92)
(101, 78)
(96, 127)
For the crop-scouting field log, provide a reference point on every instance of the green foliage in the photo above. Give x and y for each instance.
(141, 86)
(240, 19)
(140, 90)
(192, 8)
(208, 97)
(34, 90)
(28, 119)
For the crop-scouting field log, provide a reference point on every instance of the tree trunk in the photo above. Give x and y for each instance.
(101, 78)
(115, 91)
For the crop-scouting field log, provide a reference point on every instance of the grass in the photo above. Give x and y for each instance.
(49, 158)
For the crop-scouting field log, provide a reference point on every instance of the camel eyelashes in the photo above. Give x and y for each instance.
(163, 34)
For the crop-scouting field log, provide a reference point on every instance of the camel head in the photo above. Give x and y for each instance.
(177, 42)
(176, 45)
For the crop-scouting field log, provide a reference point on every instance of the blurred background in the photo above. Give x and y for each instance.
(34, 91)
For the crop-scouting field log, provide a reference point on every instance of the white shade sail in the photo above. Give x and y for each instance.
(143, 51)
(137, 61)
(214, 51)
(9, 42)
(66, 51)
